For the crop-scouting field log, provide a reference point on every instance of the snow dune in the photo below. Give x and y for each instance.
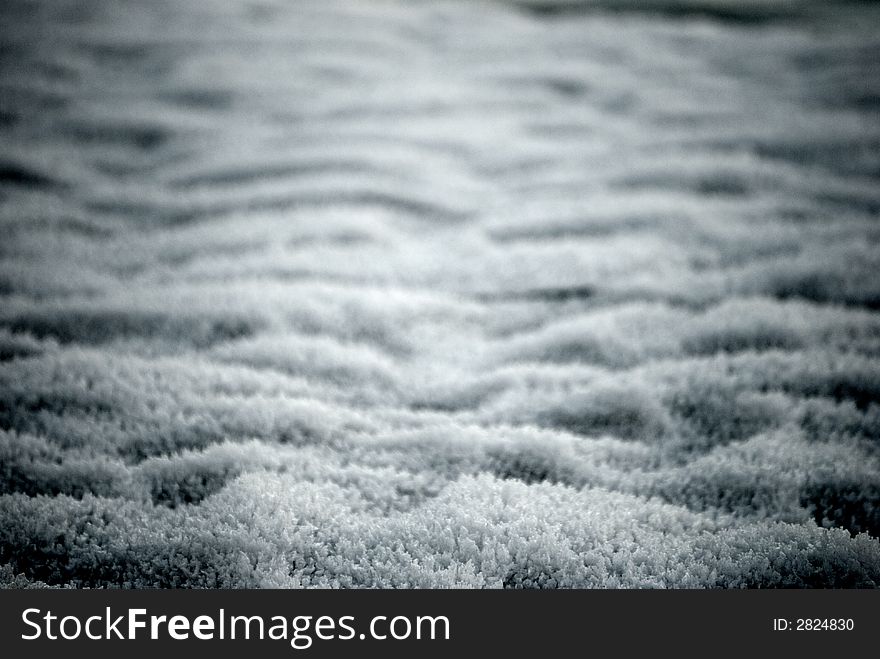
(538, 293)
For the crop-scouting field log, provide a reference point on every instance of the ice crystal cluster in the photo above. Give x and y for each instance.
(439, 294)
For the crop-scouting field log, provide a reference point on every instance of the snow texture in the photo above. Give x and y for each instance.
(533, 293)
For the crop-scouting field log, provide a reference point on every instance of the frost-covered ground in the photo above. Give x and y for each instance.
(535, 293)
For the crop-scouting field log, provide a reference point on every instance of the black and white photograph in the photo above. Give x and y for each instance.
(439, 294)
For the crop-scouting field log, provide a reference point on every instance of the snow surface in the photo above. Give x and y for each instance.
(534, 293)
